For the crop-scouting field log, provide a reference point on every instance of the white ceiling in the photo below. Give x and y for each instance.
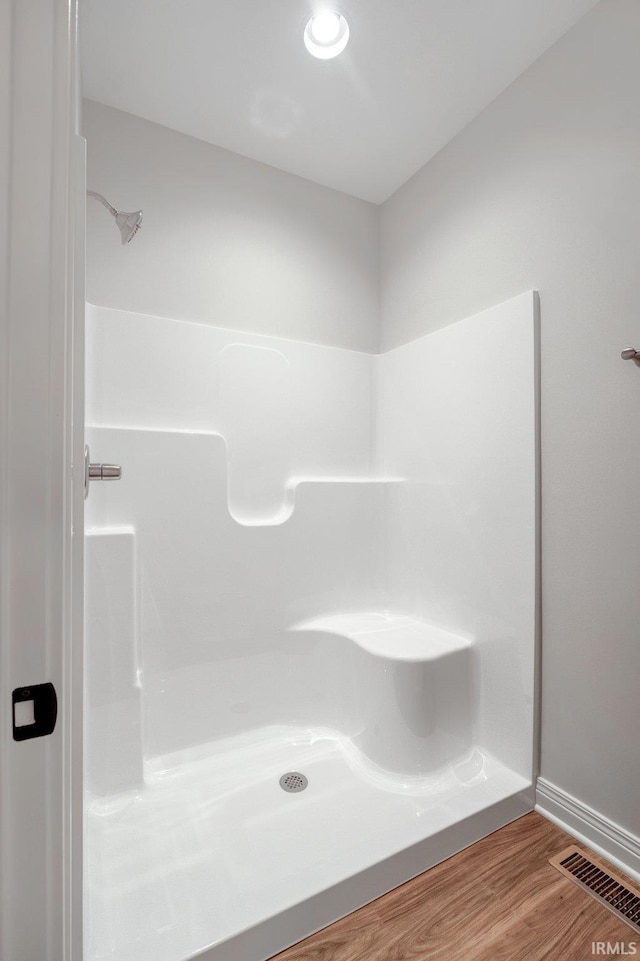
(237, 74)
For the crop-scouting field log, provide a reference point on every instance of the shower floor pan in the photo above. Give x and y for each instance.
(214, 860)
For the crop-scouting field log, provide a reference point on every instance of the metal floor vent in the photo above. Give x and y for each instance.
(603, 884)
(293, 782)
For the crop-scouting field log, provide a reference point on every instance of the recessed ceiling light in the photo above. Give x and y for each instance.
(326, 35)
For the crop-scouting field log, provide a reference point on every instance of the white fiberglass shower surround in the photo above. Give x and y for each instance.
(319, 562)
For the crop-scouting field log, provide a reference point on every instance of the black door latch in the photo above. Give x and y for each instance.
(35, 710)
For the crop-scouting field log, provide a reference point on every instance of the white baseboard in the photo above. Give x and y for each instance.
(593, 829)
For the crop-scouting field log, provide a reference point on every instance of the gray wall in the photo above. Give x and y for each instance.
(543, 191)
(227, 241)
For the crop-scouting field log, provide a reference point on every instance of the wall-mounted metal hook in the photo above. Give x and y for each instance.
(630, 353)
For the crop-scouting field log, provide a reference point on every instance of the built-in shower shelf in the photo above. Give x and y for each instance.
(296, 485)
(392, 636)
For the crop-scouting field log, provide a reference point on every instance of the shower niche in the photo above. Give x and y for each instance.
(320, 561)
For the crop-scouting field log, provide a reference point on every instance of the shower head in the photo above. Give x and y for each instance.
(129, 223)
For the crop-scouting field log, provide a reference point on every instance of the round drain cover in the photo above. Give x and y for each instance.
(293, 782)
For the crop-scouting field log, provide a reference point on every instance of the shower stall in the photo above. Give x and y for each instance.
(310, 623)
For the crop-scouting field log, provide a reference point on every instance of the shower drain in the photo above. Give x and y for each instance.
(293, 782)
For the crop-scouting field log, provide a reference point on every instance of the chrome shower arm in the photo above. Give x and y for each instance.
(103, 201)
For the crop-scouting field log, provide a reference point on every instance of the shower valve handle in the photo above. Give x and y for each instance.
(105, 472)
(100, 472)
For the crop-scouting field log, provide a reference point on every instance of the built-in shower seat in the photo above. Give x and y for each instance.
(413, 690)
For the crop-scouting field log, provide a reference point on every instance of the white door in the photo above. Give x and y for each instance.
(40, 502)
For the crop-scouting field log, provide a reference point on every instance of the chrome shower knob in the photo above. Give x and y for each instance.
(101, 472)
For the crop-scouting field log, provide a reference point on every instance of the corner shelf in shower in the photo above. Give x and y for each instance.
(291, 489)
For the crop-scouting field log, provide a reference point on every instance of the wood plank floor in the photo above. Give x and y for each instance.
(497, 901)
